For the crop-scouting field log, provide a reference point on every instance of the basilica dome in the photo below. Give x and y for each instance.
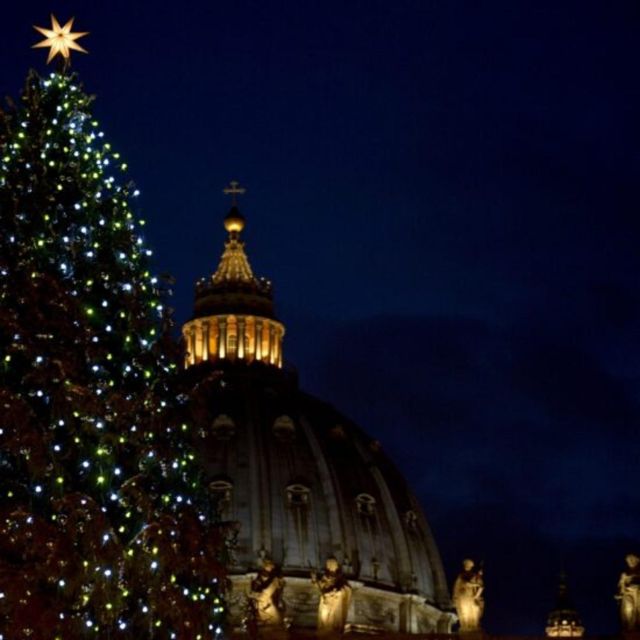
(303, 482)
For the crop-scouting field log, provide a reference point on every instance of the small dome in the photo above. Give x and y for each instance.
(564, 620)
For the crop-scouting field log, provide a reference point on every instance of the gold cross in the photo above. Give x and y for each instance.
(234, 189)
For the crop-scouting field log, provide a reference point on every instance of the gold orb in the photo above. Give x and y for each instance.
(234, 221)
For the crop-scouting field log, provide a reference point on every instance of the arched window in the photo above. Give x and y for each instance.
(411, 520)
(284, 429)
(298, 496)
(223, 427)
(222, 497)
(299, 518)
(366, 505)
(371, 546)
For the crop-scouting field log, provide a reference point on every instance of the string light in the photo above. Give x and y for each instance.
(101, 386)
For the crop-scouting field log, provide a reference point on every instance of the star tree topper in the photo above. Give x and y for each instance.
(60, 40)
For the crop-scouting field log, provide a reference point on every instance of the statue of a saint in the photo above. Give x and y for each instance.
(629, 594)
(467, 596)
(335, 596)
(265, 599)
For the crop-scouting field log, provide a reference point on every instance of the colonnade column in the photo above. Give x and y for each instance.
(240, 345)
(277, 347)
(258, 339)
(274, 346)
(205, 339)
(271, 348)
(192, 344)
(222, 338)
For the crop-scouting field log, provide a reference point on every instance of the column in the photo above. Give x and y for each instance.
(258, 339)
(240, 338)
(274, 345)
(271, 348)
(192, 344)
(214, 340)
(205, 339)
(222, 338)
(280, 336)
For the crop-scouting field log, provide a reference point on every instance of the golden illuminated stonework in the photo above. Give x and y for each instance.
(468, 597)
(234, 265)
(629, 594)
(234, 317)
(305, 485)
(60, 40)
(234, 337)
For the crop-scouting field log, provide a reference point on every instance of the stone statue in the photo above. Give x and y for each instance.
(629, 594)
(335, 596)
(467, 596)
(266, 608)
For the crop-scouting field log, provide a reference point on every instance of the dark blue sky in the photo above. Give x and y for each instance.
(446, 197)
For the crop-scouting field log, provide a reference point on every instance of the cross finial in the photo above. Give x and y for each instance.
(234, 190)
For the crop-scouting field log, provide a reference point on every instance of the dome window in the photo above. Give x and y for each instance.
(223, 427)
(411, 520)
(298, 496)
(366, 504)
(222, 496)
(337, 432)
(284, 429)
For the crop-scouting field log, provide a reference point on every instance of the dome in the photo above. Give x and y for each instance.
(233, 317)
(233, 288)
(305, 483)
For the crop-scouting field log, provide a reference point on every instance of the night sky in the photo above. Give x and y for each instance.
(445, 195)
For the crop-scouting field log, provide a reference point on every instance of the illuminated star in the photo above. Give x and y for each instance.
(60, 40)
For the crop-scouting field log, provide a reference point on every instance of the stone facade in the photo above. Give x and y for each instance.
(371, 610)
(303, 482)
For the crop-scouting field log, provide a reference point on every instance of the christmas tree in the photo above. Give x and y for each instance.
(105, 528)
